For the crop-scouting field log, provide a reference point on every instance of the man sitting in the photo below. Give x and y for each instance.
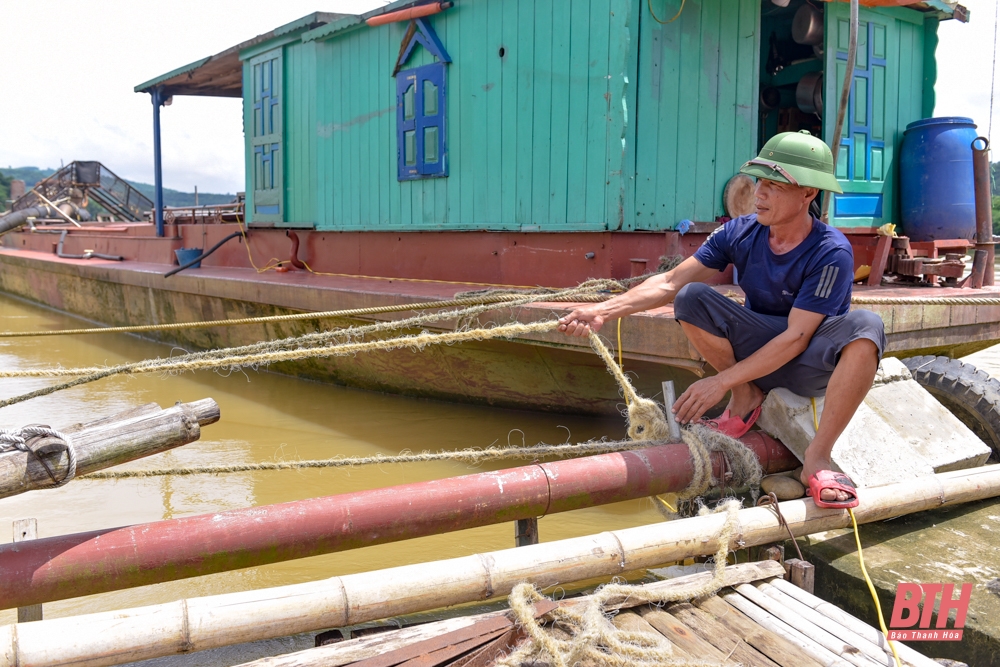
(795, 329)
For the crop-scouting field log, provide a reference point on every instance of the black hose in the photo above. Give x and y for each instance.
(202, 255)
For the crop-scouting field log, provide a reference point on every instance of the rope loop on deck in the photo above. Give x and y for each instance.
(593, 638)
(22, 440)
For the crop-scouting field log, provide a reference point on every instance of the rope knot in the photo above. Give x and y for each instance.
(41, 442)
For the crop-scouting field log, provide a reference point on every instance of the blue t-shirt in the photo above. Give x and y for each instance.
(816, 275)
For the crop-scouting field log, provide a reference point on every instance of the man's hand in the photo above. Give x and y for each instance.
(582, 321)
(698, 398)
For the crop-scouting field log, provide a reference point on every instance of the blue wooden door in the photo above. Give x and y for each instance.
(887, 93)
(265, 138)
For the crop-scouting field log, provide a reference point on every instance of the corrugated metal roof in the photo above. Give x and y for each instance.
(221, 75)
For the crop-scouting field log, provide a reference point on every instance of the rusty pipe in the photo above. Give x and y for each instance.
(294, 253)
(66, 566)
(408, 14)
(984, 205)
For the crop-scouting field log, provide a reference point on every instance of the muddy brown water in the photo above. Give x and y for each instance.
(264, 417)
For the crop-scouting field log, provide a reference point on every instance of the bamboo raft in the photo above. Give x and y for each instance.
(759, 620)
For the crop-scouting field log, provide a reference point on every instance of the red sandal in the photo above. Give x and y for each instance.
(731, 425)
(838, 481)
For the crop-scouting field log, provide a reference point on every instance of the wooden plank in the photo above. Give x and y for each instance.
(747, 78)
(509, 108)
(449, 653)
(706, 193)
(598, 111)
(725, 125)
(772, 645)
(802, 574)
(630, 621)
(666, 113)
(578, 99)
(541, 107)
(522, 138)
(692, 48)
(725, 640)
(560, 114)
(24, 530)
(493, 92)
(493, 651)
(770, 622)
(882, 251)
(618, 34)
(481, 631)
(680, 635)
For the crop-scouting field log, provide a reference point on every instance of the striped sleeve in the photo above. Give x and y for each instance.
(827, 287)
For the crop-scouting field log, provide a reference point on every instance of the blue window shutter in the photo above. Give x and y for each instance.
(421, 140)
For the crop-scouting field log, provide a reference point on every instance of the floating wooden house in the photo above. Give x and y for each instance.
(560, 116)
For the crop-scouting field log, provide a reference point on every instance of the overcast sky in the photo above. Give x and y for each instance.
(68, 67)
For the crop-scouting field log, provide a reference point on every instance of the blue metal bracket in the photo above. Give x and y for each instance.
(420, 32)
(156, 96)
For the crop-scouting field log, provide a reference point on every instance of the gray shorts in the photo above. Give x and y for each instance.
(807, 374)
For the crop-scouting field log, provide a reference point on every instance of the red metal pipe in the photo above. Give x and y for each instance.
(294, 259)
(407, 14)
(67, 566)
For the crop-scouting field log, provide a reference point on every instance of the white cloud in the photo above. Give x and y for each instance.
(966, 67)
(68, 68)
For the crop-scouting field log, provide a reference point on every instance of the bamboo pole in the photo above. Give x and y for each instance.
(109, 638)
(852, 623)
(806, 627)
(838, 631)
(107, 442)
(762, 618)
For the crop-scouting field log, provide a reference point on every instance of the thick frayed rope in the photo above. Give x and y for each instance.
(315, 340)
(19, 439)
(593, 637)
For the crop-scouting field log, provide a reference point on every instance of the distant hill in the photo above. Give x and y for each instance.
(31, 176)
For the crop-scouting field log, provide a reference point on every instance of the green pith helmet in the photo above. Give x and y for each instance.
(798, 158)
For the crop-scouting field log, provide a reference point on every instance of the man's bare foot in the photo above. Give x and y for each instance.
(744, 400)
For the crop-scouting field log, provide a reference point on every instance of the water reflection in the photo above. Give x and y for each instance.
(264, 417)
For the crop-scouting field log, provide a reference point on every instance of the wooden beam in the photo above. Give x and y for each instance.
(27, 529)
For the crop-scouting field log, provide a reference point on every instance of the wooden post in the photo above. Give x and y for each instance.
(526, 532)
(126, 436)
(882, 251)
(801, 573)
(27, 529)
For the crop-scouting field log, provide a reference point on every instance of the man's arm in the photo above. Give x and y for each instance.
(784, 347)
(652, 293)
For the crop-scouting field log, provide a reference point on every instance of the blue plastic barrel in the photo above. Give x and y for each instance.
(936, 190)
(185, 255)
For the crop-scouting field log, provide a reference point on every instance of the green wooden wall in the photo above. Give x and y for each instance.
(534, 136)
(696, 108)
(565, 115)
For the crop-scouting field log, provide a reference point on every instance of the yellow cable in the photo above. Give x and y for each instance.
(657, 18)
(871, 589)
(861, 559)
(621, 364)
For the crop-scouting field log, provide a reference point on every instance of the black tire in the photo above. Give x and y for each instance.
(969, 393)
